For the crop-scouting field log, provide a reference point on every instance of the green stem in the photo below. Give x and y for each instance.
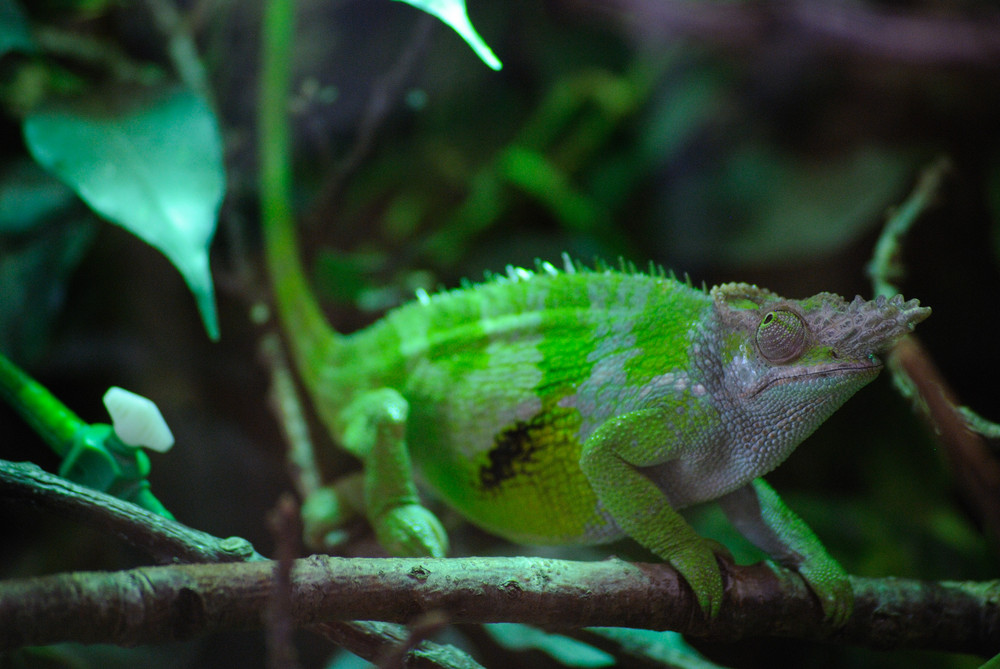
(181, 45)
(300, 314)
(275, 161)
(885, 267)
(49, 417)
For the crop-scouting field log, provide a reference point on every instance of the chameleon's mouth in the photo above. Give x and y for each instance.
(870, 367)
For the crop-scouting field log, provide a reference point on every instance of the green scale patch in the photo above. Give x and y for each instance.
(496, 377)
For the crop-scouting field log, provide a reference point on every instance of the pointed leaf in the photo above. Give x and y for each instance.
(568, 652)
(453, 13)
(154, 169)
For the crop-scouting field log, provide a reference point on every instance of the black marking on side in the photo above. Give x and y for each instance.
(513, 448)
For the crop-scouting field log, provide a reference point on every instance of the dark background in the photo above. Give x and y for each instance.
(729, 141)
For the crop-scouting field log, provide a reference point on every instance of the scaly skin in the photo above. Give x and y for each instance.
(575, 407)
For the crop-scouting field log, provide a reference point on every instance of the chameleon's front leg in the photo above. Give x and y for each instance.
(760, 515)
(374, 429)
(612, 460)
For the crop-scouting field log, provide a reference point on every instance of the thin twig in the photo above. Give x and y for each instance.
(286, 528)
(886, 266)
(420, 629)
(166, 540)
(358, 637)
(181, 46)
(98, 52)
(286, 403)
(973, 465)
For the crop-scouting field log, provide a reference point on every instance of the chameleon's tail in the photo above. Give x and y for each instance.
(311, 338)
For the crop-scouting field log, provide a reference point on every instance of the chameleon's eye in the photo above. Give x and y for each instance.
(781, 336)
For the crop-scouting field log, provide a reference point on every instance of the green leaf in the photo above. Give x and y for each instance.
(154, 168)
(666, 649)
(453, 13)
(14, 32)
(567, 651)
(552, 187)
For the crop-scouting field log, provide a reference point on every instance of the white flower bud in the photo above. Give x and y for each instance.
(137, 421)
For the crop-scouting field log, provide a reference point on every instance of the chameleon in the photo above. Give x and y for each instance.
(578, 406)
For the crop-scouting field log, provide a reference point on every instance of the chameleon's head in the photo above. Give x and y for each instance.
(786, 365)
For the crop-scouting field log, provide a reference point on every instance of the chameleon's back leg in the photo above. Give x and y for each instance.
(374, 429)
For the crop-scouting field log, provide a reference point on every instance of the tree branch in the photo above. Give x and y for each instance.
(166, 540)
(155, 604)
(973, 465)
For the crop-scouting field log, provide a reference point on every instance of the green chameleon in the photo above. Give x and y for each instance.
(576, 406)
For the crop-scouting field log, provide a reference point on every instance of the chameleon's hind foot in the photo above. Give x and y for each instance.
(410, 530)
(375, 430)
(407, 529)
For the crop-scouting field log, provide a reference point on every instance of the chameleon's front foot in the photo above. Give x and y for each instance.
(832, 586)
(697, 564)
(758, 512)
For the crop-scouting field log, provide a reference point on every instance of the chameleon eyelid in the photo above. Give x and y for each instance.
(781, 336)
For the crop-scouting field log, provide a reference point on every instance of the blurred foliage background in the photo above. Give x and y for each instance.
(753, 141)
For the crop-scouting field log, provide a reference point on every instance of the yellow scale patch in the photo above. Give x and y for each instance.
(528, 487)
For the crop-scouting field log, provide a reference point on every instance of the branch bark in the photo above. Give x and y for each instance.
(155, 604)
(974, 467)
(167, 541)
